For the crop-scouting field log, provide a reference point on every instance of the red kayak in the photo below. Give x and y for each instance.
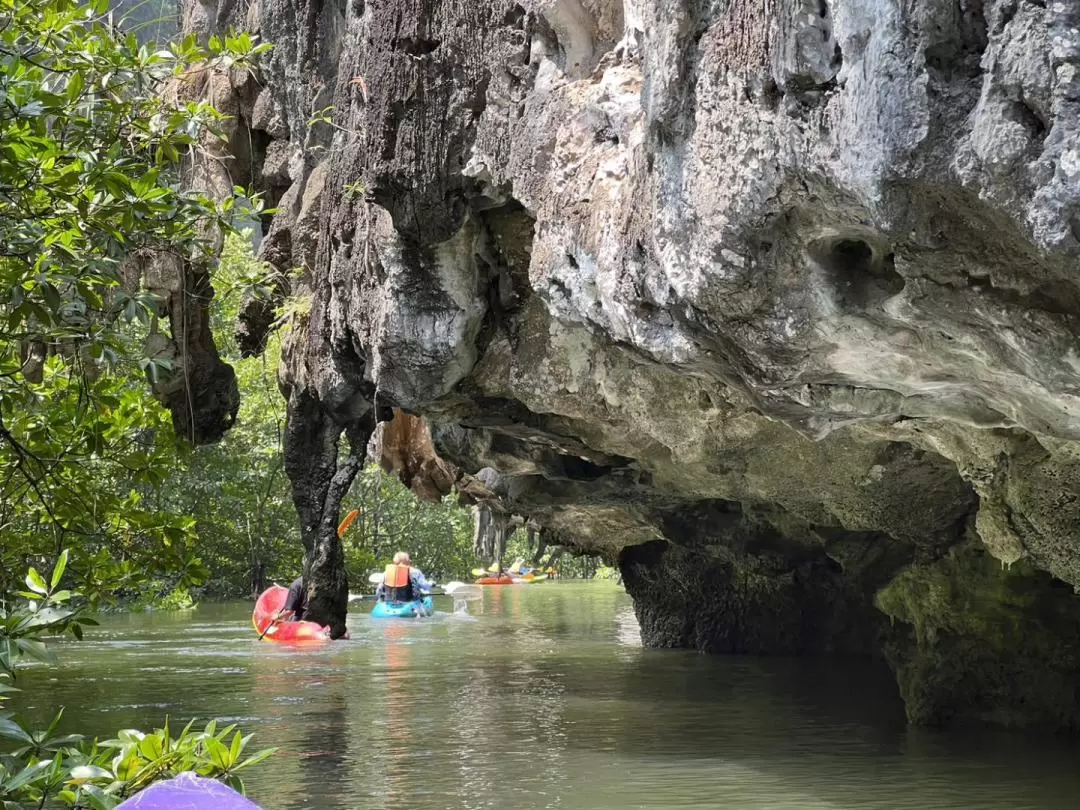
(502, 579)
(269, 603)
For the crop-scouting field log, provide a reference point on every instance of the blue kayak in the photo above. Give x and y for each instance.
(401, 610)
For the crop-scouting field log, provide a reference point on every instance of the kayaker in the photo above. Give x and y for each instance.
(295, 602)
(401, 582)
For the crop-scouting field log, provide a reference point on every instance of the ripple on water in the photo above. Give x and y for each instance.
(543, 699)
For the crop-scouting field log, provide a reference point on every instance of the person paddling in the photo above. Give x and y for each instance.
(401, 582)
(295, 603)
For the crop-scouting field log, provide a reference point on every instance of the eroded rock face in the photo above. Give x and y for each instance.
(775, 302)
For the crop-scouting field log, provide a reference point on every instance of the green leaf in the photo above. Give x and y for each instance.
(75, 87)
(35, 582)
(13, 731)
(59, 568)
(255, 759)
(33, 649)
(97, 798)
(86, 773)
(26, 776)
(218, 753)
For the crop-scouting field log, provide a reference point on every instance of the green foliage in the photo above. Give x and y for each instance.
(47, 612)
(92, 132)
(236, 491)
(158, 595)
(45, 768)
(53, 769)
(93, 129)
(608, 573)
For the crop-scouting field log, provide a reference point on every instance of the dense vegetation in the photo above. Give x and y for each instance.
(90, 178)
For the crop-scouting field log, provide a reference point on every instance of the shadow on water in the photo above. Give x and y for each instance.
(544, 699)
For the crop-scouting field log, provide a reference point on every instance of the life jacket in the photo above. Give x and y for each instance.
(396, 583)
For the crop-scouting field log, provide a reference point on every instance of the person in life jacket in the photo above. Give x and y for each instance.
(401, 582)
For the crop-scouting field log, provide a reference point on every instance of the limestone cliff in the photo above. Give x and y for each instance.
(774, 301)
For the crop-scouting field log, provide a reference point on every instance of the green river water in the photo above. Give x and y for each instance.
(541, 698)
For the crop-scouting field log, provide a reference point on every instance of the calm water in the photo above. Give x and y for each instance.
(543, 698)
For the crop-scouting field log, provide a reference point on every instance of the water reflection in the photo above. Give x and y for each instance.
(545, 700)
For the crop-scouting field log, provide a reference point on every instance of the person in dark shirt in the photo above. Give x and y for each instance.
(296, 602)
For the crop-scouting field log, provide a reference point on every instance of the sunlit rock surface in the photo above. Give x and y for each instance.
(776, 301)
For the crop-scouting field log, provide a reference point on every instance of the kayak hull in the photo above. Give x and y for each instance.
(267, 606)
(499, 580)
(188, 791)
(529, 579)
(401, 610)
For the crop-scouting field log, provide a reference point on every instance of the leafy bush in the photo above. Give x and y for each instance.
(48, 768)
(93, 126)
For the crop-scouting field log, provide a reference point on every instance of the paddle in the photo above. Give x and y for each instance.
(347, 522)
(458, 590)
(274, 622)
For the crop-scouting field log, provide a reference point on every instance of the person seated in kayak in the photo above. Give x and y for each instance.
(401, 582)
(295, 603)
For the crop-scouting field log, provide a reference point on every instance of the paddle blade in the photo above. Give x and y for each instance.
(375, 579)
(460, 590)
(347, 522)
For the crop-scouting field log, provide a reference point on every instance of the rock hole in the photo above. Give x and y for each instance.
(861, 277)
(956, 57)
(837, 58)
(765, 92)
(1059, 297)
(571, 261)
(514, 16)
(1024, 114)
(416, 46)
(973, 27)
(1008, 12)
(831, 565)
(579, 469)
(606, 135)
(850, 254)
(822, 9)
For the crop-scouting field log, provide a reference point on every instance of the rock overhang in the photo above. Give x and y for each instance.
(806, 265)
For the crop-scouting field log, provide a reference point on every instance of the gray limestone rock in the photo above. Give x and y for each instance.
(813, 260)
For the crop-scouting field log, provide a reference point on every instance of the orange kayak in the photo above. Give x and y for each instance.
(267, 606)
(502, 579)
